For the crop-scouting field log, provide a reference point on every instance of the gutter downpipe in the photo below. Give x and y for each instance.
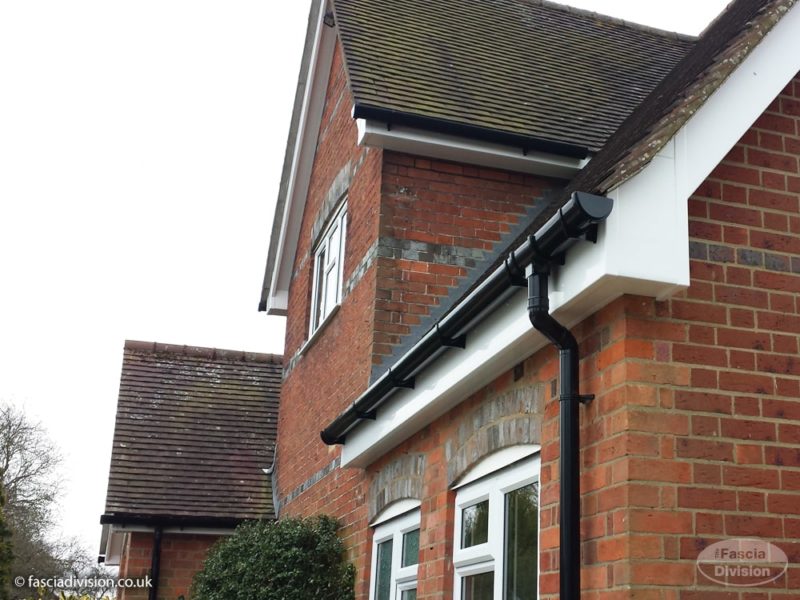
(155, 563)
(569, 400)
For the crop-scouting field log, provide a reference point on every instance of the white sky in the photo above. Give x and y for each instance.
(141, 145)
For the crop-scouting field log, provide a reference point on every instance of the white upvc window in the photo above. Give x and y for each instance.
(328, 269)
(395, 558)
(496, 550)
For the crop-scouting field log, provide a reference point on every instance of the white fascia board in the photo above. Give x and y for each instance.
(453, 148)
(302, 165)
(121, 528)
(642, 249)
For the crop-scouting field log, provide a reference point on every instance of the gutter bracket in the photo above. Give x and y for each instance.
(451, 342)
(404, 383)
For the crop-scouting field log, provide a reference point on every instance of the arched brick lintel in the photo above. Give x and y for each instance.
(400, 479)
(510, 418)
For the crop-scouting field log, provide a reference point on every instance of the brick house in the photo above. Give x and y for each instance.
(456, 172)
(194, 434)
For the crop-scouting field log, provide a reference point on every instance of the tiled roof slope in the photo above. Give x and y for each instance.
(194, 429)
(721, 48)
(522, 68)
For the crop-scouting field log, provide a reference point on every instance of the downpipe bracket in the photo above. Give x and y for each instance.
(585, 398)
(582, 398)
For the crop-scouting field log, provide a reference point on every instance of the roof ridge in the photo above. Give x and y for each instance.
(143, 347)
(616, 20)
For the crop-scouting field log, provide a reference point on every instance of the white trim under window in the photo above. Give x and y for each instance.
(496, 549)
(326, 285)
(395, 558)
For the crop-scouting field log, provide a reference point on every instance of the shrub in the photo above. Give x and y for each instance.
(291, 559)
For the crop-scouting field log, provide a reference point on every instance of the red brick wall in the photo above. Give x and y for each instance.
(335, 368)
(694, 435)
(182, 555)
(438, 219)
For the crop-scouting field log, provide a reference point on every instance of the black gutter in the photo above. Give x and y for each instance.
(132, 519)
(577, 219)
(570, 399)
(155, 564)
(525, 142)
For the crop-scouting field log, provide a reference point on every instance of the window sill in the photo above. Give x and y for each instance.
(318, 331)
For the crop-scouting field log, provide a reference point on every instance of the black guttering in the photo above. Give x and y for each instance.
(132, 520)
(526, 143)
(577, 219)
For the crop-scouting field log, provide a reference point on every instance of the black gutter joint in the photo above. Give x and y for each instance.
(516, 273)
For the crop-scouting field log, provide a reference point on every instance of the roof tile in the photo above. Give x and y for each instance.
(194, 429)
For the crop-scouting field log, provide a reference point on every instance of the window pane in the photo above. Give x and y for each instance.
(383, 577)
(522, 551)
(475, 524)
(318, 282)
(478, 587)
(333, 244)
(410, 548)
(409, 595)
(331, 288)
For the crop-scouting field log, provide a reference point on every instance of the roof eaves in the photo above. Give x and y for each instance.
(139, 519)
(439, 125)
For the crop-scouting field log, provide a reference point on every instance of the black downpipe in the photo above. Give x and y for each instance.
(570, 399)
(155, 563)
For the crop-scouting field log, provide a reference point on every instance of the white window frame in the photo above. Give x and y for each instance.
(402, 578)
(489, 556)
(334, 260)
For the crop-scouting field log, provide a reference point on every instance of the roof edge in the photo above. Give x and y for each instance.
(617, 21)
(637, 141)
(141, 347)
(393, 117)
(289, 154)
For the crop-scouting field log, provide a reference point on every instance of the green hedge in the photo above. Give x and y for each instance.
(291, 559)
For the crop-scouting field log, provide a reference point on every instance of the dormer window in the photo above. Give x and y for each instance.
(328, 269)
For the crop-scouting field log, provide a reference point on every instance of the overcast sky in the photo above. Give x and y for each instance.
(141, 145)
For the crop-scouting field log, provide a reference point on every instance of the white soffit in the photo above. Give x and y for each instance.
(642, 249)
(302, 164)
(453, 148)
